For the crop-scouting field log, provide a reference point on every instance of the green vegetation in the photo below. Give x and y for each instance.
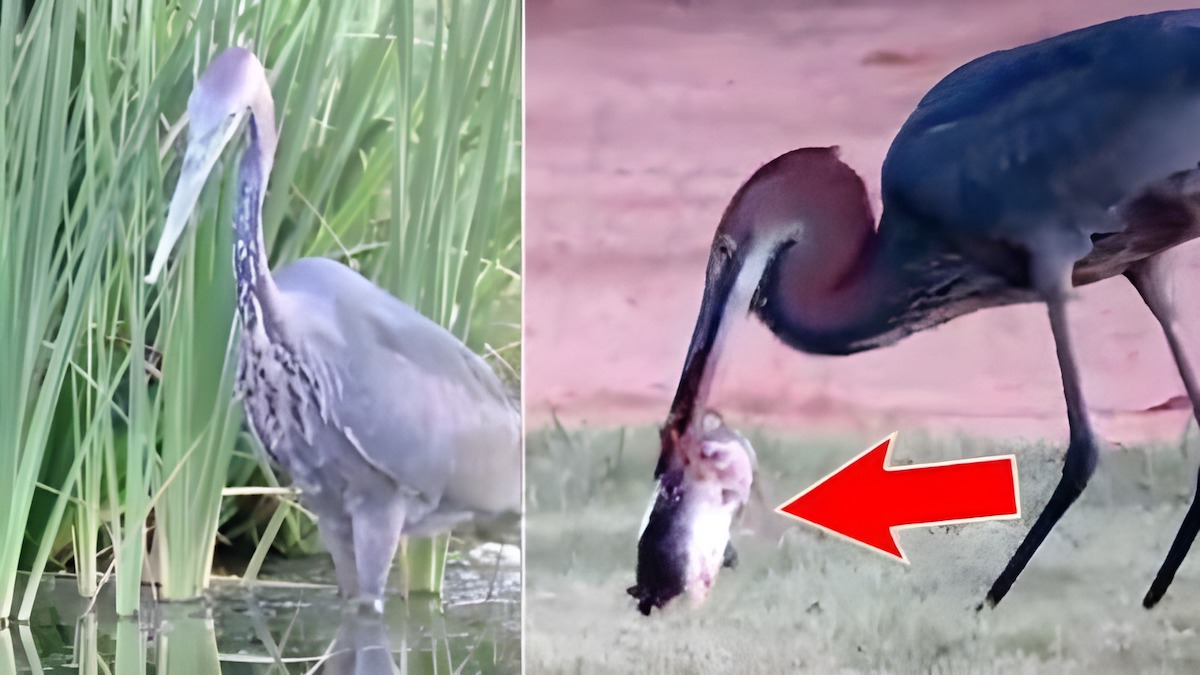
(399, 155)
(283, 628)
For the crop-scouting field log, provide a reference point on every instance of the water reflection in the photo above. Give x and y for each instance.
(281, 629)
(187, 641)
(361, 648)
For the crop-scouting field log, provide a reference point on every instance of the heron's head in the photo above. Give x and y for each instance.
(233, 86)
(806, 202)
(808, 197)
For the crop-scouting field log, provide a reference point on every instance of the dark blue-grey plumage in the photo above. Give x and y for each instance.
(386, 421)
(1020, 175)
(1061, 130)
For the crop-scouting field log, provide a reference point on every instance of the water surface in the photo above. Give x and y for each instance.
(292, 622)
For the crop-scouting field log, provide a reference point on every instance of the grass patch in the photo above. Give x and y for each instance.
(802, 601)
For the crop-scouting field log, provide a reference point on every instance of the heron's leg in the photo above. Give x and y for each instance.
(1082, 452)
(338, 537)
(1151, 278)
(377, 527)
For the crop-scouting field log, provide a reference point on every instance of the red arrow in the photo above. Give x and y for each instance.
(864, 500)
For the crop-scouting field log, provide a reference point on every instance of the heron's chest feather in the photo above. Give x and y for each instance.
(949, 288)
(288, 403)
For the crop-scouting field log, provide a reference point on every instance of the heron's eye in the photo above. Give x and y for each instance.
(725, 247)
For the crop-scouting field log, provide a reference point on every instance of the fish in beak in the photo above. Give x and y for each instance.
(685, 536)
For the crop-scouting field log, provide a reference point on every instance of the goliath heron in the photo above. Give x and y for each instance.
(1019, 176)
(386, 421)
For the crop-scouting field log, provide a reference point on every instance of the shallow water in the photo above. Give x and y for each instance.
(292, 622)
(802, 601)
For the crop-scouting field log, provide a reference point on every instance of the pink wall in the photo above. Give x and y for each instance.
(644, 117)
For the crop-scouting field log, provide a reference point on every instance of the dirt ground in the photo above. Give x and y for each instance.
(804, 602)
(644, 117)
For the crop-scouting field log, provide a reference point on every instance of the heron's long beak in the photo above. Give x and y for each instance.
(201, 156)
(700, 363)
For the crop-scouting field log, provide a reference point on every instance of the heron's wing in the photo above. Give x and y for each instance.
(1067, 127)
(421, 406)
(471, 402)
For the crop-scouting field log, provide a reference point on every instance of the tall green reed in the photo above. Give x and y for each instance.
(51, 250)
(449, 234)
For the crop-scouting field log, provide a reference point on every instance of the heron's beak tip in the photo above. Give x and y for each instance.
(202, 154)
(171, 232)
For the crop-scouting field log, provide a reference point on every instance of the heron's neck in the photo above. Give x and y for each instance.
(895, 282)
(255, 289)
(842, 309)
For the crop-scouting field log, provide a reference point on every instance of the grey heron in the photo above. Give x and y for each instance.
(386, 421)
(1019, 176)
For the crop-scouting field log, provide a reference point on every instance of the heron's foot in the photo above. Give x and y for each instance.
(1156, 593)
(369, 605)
(1082, 455)
(1175, 556)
